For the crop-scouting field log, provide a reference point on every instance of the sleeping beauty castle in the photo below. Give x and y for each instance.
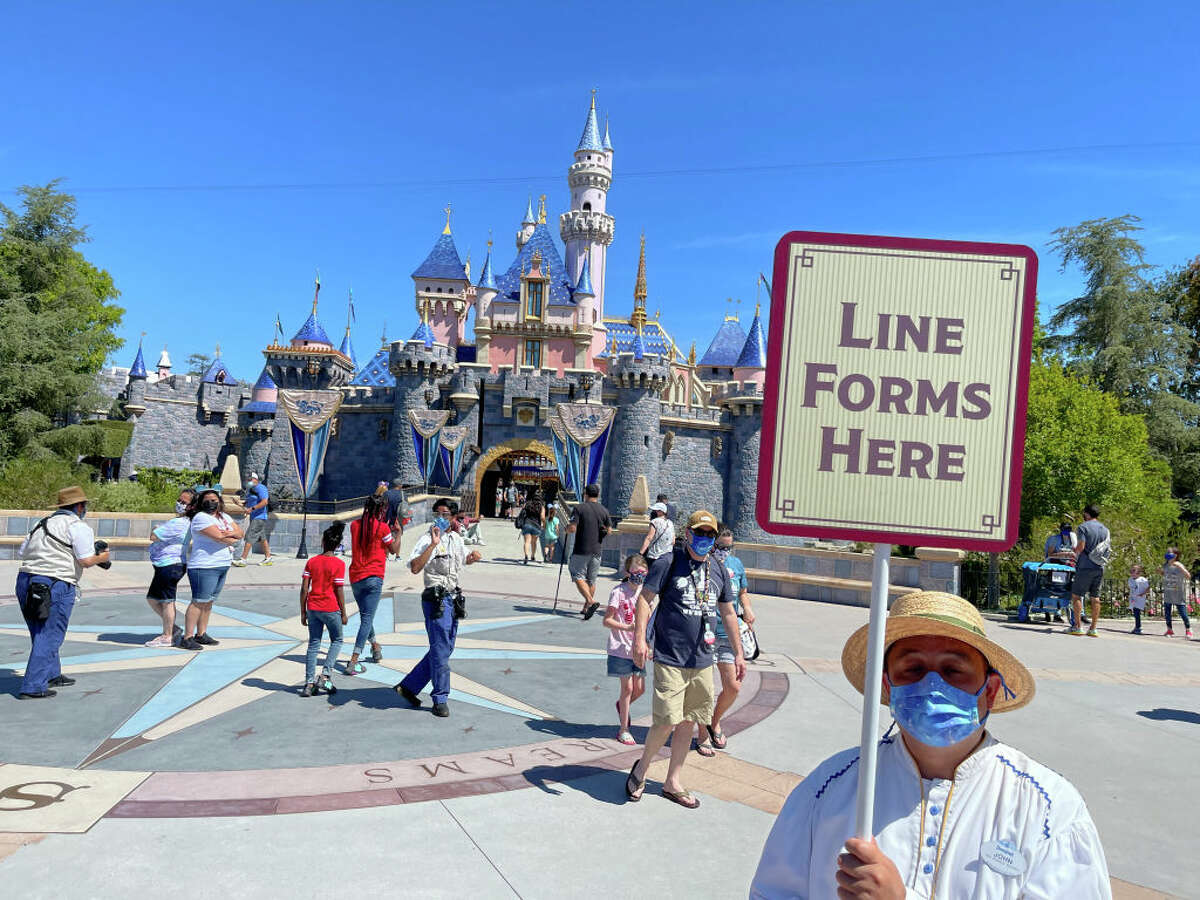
(556, 388)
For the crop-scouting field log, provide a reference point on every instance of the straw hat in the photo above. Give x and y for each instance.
(69, 496)
(935, 613)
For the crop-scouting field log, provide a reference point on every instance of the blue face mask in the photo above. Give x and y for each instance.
(637, 577)
(1168, 556)
(701, 544)
(936, 713)
(442, 523)
(180, 508)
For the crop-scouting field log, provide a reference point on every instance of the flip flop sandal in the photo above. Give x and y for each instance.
(686, 800)
(716, 738)
(634, 793)
(705, 750)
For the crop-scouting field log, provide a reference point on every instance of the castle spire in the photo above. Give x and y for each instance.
(638, 319)
(529, 219)
(487, 279)
(607, 142)
(590, 140)
(138, 369)
(316, 292)
(541, 219)
(447, 211)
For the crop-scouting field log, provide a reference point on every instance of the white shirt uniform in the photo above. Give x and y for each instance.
(1005, 827)
(447, 561)
(43, 553)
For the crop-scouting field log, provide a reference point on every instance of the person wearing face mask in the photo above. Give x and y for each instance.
(1060, 546)
(166, 555)
(692, 589)
(439, 556)
(1175, 578)
(209, 555)
(619, 618)
(958, 813)
(710, 737)
(53, 558)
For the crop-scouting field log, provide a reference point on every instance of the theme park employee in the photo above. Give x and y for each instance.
(959, 813)
(53, 558)
(439, 556)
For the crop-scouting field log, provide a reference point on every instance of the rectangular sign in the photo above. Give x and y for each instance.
(897, 380)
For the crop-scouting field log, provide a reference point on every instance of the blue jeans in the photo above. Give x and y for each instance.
(46, 635)
(366, 595)
(318, 623)
(206, 583)
(435, 665)
(1182, 607)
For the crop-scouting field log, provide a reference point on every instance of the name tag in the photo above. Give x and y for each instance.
(1004, 857)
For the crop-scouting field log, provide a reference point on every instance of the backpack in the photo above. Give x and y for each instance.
(1102, 553)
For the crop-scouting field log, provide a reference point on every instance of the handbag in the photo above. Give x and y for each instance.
(750, 648)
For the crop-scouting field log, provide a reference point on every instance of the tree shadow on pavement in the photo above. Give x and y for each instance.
(1171, 715)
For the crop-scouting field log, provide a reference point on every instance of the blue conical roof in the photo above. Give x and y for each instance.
(312, 331)
(265, 381)
(424, 334)
(590, 140)
(217, 366)
(347, 348)
(138, 369)
(540, 241)
(443, 261)
(607, 143)
(529, 219)
(639, 347)
(754, 351)
(726, 345)
(584, 284)
(486, 278)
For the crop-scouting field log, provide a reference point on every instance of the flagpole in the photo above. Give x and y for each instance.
(872, 689)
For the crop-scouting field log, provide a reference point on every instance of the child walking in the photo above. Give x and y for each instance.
(619, 618)
(1139, 587)
(323, 608)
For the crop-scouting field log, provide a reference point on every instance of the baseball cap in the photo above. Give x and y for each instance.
(702, 518)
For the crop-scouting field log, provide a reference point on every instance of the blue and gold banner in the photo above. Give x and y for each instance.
(585, 431)
(426, 427)
(310, 417)
(452, 441)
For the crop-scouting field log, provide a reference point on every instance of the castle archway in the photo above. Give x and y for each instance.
(515, 449)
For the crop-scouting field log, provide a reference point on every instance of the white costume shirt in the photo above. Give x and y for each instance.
(943, 836)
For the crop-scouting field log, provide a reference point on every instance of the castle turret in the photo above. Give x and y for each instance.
(585, 298)
(443, 289)
(419, 365)
(347, 349)
(164, 364)
(639, 376)
(751, 365)
(485, 292)
(586, 228)
(525, 232)
(135, 390)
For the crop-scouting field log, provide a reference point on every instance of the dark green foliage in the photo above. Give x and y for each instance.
(56, 317)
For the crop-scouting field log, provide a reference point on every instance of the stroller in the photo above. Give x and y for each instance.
(1047, 589)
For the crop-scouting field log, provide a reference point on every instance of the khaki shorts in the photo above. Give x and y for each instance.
(682, 695)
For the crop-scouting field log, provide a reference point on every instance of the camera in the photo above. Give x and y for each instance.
(100, 547)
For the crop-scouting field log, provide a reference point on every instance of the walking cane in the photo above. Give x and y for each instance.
(561, 563)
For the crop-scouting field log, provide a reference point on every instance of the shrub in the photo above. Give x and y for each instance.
(31, 481)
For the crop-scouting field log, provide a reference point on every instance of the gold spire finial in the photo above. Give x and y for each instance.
(467, 264)
(593, 98)
(317, 291)
(447, 211)
(757, 308)
(638, 319)
(692, 355)
(489, 240)
(218, 351)
(542, 210)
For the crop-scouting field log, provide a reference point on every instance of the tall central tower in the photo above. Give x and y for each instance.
(587, 229)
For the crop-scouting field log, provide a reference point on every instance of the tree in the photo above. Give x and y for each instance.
(1114, 331)
(1080, 449)
(57, 317)
(198, 363)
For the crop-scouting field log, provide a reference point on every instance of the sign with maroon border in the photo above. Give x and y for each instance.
(897, 382)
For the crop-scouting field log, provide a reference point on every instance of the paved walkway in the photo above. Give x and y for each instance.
(1117, 716)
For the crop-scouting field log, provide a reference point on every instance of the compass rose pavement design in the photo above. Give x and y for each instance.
(223, 730)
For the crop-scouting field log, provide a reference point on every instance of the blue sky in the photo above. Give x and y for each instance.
(415, 106)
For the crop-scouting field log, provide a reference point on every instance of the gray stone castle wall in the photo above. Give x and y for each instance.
(360, 454)
(690, 474)
(175, 431)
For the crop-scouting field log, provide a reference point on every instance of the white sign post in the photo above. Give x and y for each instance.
(894, 407)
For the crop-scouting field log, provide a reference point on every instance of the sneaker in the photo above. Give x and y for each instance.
(626, 738)
(206, 640)
(240, 563)
(176, 634)
(188, 643)
(1092, 633)
(327, 685)
(160, 641)
(356, 669)
(267, 562)
(441, 710)
(309, 690)
(1075, 632)
(62, 681)
(1188, 634)
(1169, 633)
(1136, 631)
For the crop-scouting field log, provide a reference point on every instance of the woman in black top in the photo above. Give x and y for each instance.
(531, 521)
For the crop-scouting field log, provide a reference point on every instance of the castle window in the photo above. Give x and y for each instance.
(533, 354)
(587, 207)
(534, 291)
(382, 430)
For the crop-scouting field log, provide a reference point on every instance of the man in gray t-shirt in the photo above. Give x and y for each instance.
(1088, 574)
